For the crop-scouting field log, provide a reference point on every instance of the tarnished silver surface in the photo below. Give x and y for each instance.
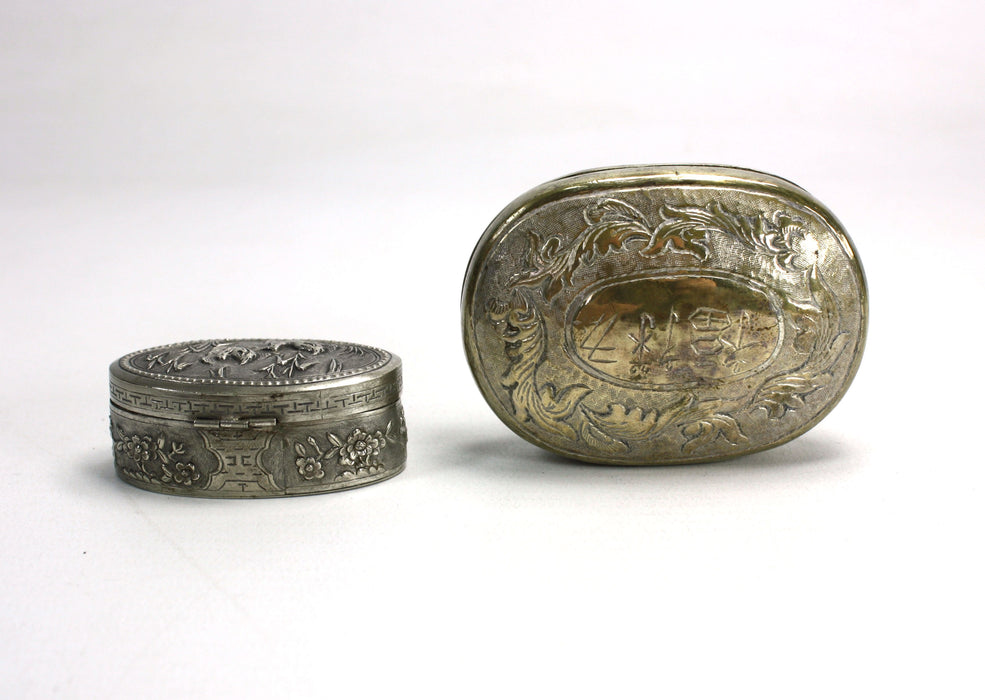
(257, 418)
(664, 314)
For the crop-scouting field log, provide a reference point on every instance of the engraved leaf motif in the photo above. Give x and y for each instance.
(818, 335)
(597, 438)
(522, 329)
(702, 423)
(620, 422)
(556, 411)
(768, 233)
(786, 393)
(829, 341)
(553, 407)
(686, 228)
(806, 323)
(615, 426)
(706, 430)
(613, 210)
(610, 225)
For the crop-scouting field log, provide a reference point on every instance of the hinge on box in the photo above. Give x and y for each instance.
(235, 423)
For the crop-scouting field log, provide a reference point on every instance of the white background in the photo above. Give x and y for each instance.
(172, 171)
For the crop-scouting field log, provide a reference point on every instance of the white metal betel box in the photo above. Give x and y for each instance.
(257, 418)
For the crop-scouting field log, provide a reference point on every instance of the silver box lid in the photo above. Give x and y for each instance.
(250, 380)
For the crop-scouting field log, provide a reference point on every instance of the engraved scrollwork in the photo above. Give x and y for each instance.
(698, 421)
(522, 328)
(613, 223)
(778, 234)
(706, 424)
(562, 410)
(819, 336)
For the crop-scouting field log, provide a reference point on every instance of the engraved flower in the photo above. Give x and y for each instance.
(135, 447)
(310, 468)
(180, 473)
(803, 249)
(361, 449)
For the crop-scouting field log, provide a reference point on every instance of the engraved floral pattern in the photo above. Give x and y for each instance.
(698, 418)
(251, 462)
(359, 454)
(180, 473)
(311, 465)
(803, 250)
(776, 234)
(362, 449)
(145, 458)
(136, 447)
(612, 224)
(255, 361)
(310, 468)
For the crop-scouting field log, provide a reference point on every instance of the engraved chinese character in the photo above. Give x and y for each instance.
(708, 326)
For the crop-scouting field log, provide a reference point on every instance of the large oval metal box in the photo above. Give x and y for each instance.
(664, 314)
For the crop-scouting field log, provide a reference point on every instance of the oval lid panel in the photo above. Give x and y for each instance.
(664, 314)
(294, 380)
(251, 362)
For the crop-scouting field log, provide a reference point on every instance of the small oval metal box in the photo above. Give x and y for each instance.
(257, 418)
(664, 314)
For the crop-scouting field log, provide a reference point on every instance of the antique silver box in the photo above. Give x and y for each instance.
(664, 314)
(257, 418)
